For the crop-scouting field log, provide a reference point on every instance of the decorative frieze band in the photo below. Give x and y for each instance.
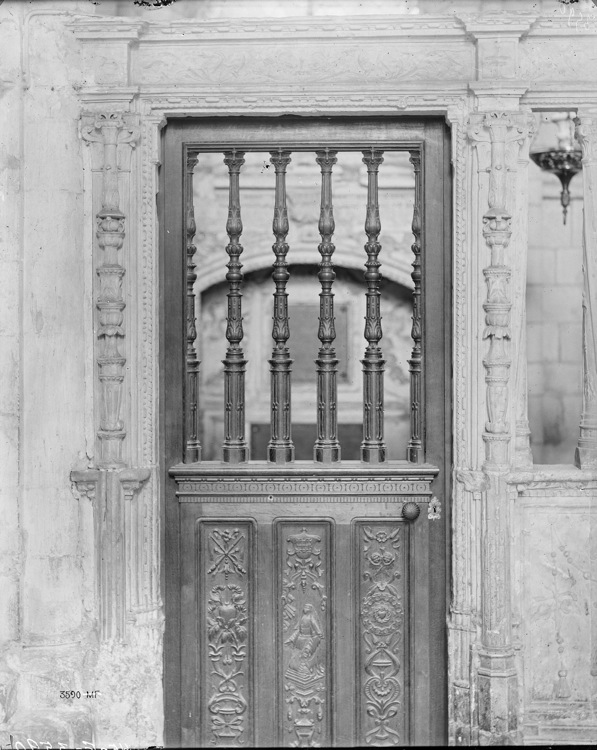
(235, 487)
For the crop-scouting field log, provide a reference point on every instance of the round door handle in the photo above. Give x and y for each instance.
(410, 511)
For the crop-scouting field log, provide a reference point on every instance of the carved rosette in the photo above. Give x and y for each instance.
(382, 705)
(415, 444)
(327, 447)
(304, 628)
(586, 452)
(373, 449)
(110, 131)
(280, 448)
(227, 658)
(192, 445)
(235, 449)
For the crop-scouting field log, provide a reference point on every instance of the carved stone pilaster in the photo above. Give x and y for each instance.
(503, 133)
(522, 456)
(116, 134)
(586, 133)
(112, 493)
(120, 534)
(498, 138)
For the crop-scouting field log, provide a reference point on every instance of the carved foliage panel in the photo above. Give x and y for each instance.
(225, 633)
(310, 63)
(380, 548)
(558, 609)
(304, 633)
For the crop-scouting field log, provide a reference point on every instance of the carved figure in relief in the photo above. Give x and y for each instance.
(305, 640)
(304, 652)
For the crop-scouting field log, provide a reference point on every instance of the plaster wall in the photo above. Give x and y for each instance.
(60, 569)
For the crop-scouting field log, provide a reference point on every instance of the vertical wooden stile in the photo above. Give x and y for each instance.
(191, 408)
(415, 450)
(280, 448)
(373, 449)
(235, 449)
(327, 447)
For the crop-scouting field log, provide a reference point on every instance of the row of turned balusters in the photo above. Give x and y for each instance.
(280, 446)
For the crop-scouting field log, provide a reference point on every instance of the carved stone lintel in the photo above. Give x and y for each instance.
(112, 132)
(586, 451)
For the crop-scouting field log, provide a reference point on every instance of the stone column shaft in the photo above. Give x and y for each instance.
(498, 138)
(586, 132)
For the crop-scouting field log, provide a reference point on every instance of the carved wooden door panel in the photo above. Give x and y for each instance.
(306, 599)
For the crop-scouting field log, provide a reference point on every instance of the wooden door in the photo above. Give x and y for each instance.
(306, 599)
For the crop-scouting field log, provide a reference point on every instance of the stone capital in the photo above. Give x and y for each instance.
(132, 480)
(86, 482)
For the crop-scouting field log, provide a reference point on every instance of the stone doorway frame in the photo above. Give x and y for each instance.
(123, 111)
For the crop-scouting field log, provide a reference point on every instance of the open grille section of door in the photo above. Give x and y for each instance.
(280, 447)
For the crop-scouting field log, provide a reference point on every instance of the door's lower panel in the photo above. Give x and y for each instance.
(297, 632)
(226, 616)
(307, 610)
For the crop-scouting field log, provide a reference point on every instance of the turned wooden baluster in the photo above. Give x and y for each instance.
(327, 447)
(373, 449)
(415, 445)
(280, 448)
(192, 444)
(235, 449)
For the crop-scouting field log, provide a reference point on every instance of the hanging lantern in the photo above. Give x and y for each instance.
(564, 161)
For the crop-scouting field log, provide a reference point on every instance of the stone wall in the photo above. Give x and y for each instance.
(47, 560)
(554, 314)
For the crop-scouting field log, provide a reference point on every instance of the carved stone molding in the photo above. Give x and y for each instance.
(586, 133)
(116, 134)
